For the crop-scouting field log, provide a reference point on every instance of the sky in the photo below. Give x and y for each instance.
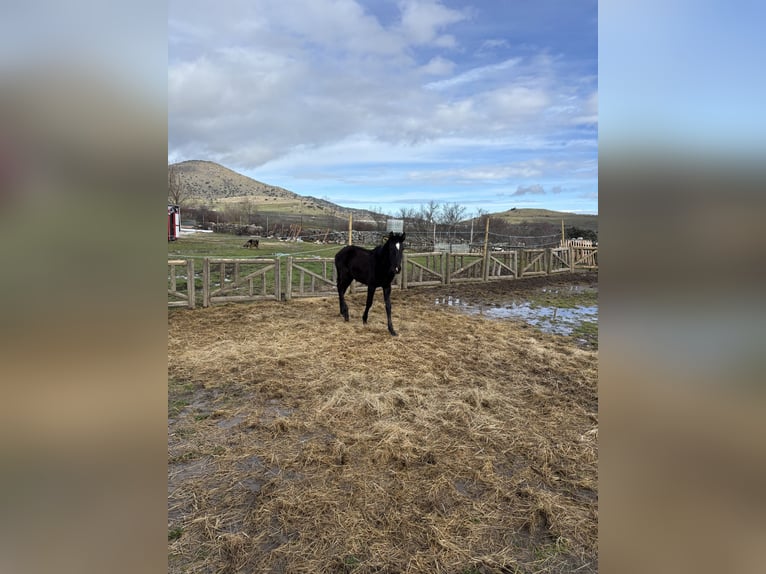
(684, 77)
(392, 104)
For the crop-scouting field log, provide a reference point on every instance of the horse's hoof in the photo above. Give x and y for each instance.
(394, 334)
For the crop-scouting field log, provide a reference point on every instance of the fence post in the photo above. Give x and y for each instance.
(549, 260)
(520, 262)
(515, 257)
(173, 286)
(404, 271)
(206, 282)
(571, 258)
(485, 261)
(289, 280)
(190, 282)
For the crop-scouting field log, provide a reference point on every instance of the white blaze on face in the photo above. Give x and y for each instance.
(398, 246)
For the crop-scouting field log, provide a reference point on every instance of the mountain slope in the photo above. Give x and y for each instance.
(209, 183)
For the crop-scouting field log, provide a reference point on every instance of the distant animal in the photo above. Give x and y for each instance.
(372, 267)
(251, 243)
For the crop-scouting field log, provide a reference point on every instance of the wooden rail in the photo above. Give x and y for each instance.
(248, 280)
(179, 298)
(252, 279)
(310, 277)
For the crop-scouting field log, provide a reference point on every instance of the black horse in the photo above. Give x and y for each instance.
(375, 268)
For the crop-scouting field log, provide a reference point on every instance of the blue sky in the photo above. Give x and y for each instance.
(385, 104)
(684, 77)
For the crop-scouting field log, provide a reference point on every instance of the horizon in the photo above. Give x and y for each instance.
(468, 214)
(390, 105)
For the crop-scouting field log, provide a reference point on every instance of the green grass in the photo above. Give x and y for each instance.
(224, 245)
(587, 330)
(553, 550)
(175, 533)
(219, 245)
(182, 393)
(562, 298)
(351, 563)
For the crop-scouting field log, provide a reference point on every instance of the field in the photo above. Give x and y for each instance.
(517, 216)
(224, 245)
(301, 443)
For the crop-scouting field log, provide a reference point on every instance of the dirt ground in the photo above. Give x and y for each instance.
(301, 443)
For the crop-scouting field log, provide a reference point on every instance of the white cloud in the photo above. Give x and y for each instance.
(486, 173)
(589, 111)
(438, 66)
(528, 190)
(422, 20)
(474, 75)
(310, 87)
(513, 102)
(492, 45)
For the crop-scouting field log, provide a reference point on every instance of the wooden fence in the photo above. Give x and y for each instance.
(310, 277)
(181, 288)
(253, 279)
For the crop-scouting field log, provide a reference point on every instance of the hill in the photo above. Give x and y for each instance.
(209, 184)
(517, 216)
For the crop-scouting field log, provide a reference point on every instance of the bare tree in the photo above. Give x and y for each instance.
(249, 209)
(176, 193)
(430, 212)
(480, 214)
(451, 215)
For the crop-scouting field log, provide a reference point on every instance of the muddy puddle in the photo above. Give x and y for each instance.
(570, 310)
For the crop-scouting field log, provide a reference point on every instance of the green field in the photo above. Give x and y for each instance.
(517, 216)
(219, 246)
(201, 245)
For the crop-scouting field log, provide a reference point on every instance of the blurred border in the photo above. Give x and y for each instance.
(83, 157)
(83, 153)
(681, 334)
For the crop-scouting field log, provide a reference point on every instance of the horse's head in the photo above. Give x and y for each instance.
(395, 246)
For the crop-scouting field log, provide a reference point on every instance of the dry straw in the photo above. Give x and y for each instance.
(301, 443)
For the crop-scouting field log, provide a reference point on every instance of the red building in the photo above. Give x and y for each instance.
(174, 222)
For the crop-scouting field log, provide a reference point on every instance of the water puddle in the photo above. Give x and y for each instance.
(554, 311)
(560, 321)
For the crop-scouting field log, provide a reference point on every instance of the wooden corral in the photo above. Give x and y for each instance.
(307, 277)
(180, 297)
(247, 279)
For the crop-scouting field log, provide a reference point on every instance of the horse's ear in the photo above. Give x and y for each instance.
(390, 234)
(403, 236)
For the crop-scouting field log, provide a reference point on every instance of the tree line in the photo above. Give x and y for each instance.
(448, 221)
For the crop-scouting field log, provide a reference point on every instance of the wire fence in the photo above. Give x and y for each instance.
(421, 236)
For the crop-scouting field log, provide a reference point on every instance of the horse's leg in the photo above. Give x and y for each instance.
(343, 284)
(387, 299)
(370, 296)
